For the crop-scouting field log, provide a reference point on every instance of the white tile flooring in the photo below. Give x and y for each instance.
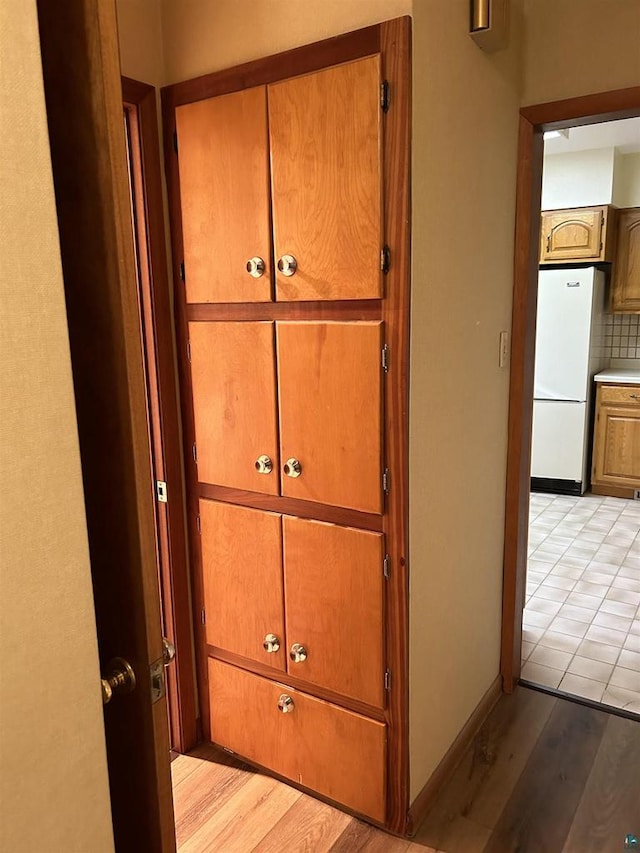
(581, 629)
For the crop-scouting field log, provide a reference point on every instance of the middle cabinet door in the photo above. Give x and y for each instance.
(234, 405)
(330, 400)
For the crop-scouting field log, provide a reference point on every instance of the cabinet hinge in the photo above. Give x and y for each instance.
(194, 453)
(161, 491)
(203, 618)
(385, 358)
(198, 525)
(385, 96)
(181, 270)
(175, 141)
(386, 566)
(189, 350)
(387, 680)
(385, 259)
(386, 481)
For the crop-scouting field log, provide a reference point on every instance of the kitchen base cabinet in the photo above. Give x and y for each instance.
(328, 749)
(616, 446)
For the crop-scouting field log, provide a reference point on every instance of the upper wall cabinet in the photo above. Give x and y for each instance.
(224, 193)
(625, 286)
(327, 208)
(578, 235)
(321, 133)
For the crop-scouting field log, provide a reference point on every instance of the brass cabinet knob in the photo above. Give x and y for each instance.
(285, 704)
(121, 679)
(292, 468)
(271, 644)
(298, 653)
(255, 267)
(264, 465)
(168, 651)
(287, 265)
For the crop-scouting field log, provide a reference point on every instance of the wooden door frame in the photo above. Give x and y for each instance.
(534, 121)
(139, 100)
(392, 40)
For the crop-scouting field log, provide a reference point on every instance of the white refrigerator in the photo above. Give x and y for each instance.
(569, 352)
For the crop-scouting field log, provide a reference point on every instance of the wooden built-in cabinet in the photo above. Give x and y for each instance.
(625, 283)
(287, 180)
(578, 235)
(616, 444)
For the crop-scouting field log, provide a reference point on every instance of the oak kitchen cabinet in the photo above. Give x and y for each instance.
(625, 284)
(288, 188)
(578, 235)
(616, 444)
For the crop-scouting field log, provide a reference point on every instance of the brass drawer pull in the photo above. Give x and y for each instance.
(634, 396)
(287, 265)
(264, 465)
(292, 468)
(285, 704)
(271, 644)
(255, 267)
(298, 653)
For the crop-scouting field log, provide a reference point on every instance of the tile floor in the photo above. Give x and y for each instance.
(581, 629)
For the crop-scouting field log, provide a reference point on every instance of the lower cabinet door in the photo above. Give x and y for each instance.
(334, 588)
(617, 446)
(334, 752)
(242, 581)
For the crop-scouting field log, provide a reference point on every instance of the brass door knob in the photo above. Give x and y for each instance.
(271, 644)
(292, 468)
(285, 704)
(298, 653)
(264, 465)
(255, 267)
(121, 679)
(287, 265)
(168, 651)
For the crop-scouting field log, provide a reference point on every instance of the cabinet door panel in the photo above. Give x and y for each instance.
(335, 752)
(334, 606)
(223, 160)
(242, 580)
(329, 391)
(234, 403)
(571, 235)
(326, 181)
(625, 288)
(617, 447)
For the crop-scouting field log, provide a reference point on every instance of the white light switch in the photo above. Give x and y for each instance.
(503, 359)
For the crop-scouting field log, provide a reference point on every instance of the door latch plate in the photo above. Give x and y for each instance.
(156, 671)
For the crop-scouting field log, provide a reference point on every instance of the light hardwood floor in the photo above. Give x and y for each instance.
(543, 775)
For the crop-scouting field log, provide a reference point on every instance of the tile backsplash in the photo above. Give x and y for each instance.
(621, 336)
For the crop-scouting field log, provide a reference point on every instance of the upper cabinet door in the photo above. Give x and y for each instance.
(234, 405)
(329, 391)
(224, 193)
(572, 234)
(325, 131)
(625, 288)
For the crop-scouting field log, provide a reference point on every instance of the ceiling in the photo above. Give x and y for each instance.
(623, 135)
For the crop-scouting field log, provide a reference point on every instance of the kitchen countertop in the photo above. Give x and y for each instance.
(621, 375)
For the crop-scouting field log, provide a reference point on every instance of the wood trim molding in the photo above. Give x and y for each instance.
(395, 43)
(363, 309)
(604, 106)
(443, 772)
(164, 411)
(393, 40)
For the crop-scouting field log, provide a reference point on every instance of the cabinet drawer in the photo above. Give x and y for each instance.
(620, 394)
(337, 753)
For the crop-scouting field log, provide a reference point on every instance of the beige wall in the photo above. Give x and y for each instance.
(201, 36)
(53, 786)
(464, 164)
(626, 180)
(577, 47)
(140, 37)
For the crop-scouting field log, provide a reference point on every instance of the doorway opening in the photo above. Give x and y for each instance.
(572, 539)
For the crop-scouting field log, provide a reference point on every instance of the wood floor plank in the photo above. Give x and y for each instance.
(359, 837)
(485, 778)
(181, 767)
(308, 827)
(538, 816)
(203, 792)
(240, 823)
(610, 804)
